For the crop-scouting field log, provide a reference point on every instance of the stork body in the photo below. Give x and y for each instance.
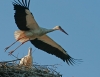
(24, 36)
(27, 60)
(30, 31)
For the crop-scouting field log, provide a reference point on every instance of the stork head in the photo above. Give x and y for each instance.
(30, 51)
(59, 28)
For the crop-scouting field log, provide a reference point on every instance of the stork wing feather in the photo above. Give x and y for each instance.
(45, 43)
(23, 17)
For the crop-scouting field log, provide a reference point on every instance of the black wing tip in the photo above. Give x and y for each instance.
(72, 61)
(23, 4)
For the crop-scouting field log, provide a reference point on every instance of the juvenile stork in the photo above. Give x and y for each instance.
(30, 31)
(27, 60)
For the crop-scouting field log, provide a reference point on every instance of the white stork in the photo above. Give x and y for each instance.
(30, 31)
(27, 60)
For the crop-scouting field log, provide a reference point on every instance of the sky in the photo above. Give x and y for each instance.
(79, 18)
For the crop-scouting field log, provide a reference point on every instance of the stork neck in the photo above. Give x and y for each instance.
(44, 30)
(29, 52)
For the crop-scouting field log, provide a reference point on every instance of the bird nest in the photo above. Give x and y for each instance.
(12, 69)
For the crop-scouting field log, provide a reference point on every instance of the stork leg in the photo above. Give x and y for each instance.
(10, 45)
(16, 48)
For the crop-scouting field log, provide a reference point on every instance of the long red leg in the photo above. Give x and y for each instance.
(16, 48)
(12, 44)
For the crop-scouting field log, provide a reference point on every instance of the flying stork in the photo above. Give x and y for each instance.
(27, 60)
(30, 31)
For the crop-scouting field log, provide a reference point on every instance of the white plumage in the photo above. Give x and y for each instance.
(27, 60)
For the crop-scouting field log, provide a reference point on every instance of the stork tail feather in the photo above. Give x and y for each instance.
(20, 36)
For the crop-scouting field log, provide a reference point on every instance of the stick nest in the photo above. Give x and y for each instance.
(12, 69)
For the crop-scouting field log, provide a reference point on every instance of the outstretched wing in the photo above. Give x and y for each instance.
(46, 44)
(23, 17)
